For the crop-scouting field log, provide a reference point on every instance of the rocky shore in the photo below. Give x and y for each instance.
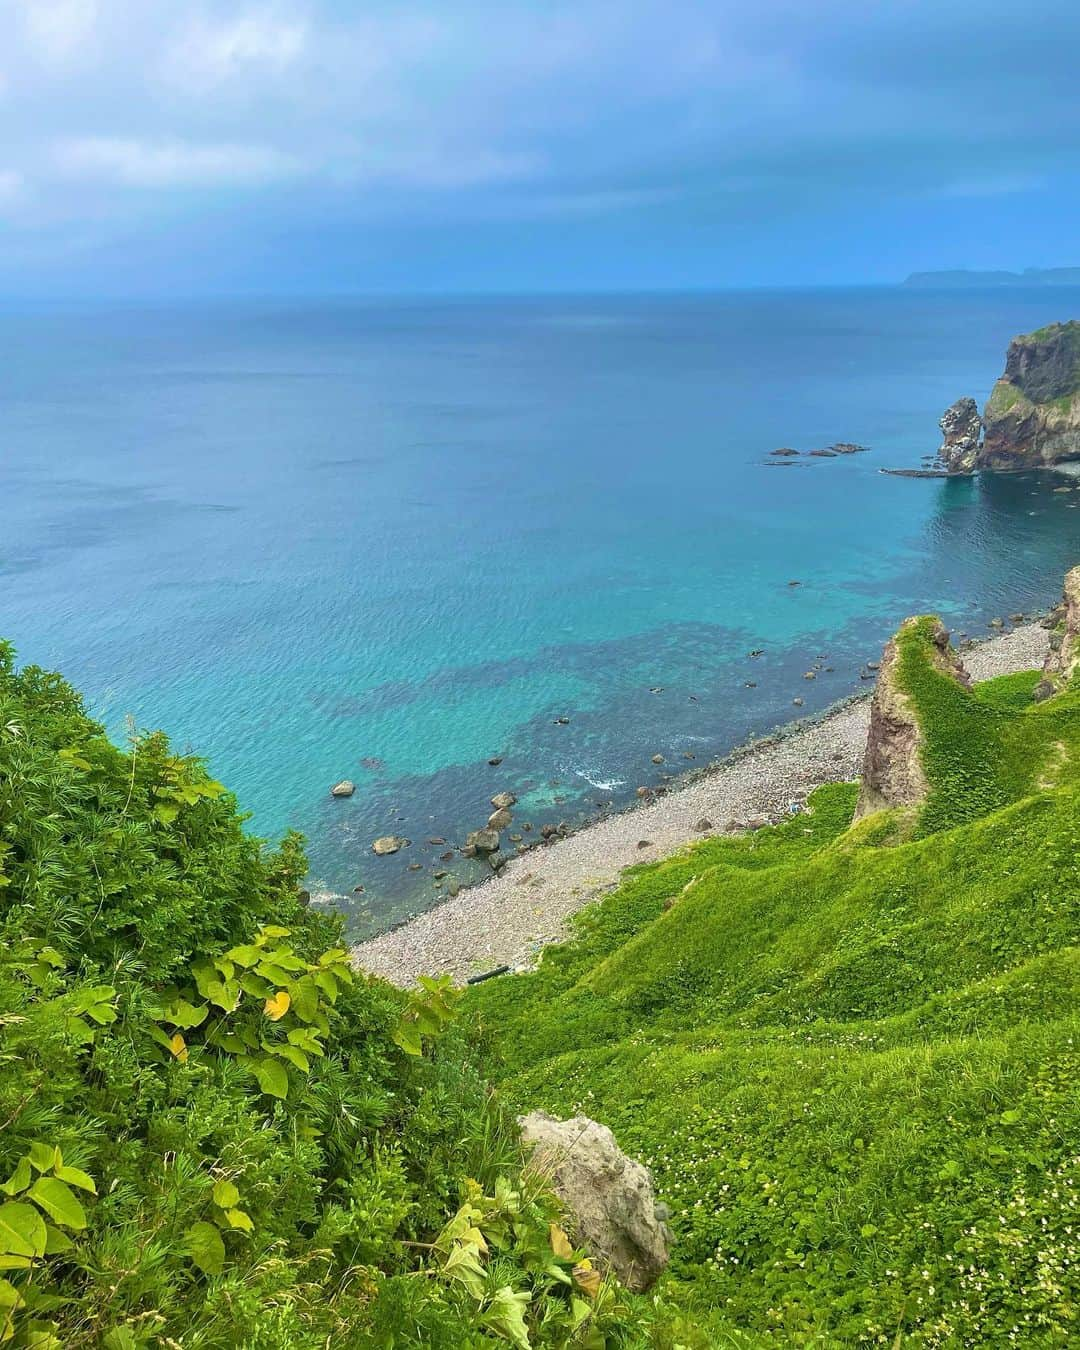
(506, 920)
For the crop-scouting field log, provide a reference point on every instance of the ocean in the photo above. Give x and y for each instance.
(392, 540)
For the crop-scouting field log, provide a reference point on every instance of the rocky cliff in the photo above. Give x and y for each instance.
(892, 771)
(961, 427)
(1033, 415)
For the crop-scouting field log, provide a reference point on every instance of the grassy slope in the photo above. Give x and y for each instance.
(850, 1062)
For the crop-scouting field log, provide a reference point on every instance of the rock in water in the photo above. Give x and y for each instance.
(609, 1196)
(503, 799)
(500, 819)
(892, 772)
(1032, 417)
(345, 788)
(1063, 658)
(961, 427)
(483, 841)
(388, 843)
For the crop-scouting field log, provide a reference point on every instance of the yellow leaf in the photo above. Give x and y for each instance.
(560, 1243)
(587, 1279)
(179, 1049)
(277, 1005)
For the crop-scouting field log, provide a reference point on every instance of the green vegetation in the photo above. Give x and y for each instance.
(1003, 397)
(212, 1131)
(850, 1055)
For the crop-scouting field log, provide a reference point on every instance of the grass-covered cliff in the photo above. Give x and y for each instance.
(1032, 417)
(850, 1054)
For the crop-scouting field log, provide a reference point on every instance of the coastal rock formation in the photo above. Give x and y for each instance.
(1063, 658)
(892, 772)
(1033, 415)
(483, 841)
(609, 1195)
(961, 428)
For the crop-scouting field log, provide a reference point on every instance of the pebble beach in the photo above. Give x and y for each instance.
(507, 920)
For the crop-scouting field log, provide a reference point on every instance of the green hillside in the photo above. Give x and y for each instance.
(213, 1133)
(850, 1055)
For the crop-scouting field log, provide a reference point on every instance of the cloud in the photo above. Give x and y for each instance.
(170, 164)
(58, 29)
(260, 42)
(12, 189)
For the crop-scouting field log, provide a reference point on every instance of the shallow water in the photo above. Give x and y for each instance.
(390, 541)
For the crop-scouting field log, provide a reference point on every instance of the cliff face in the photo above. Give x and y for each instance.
(1033, 415)
(892, 771)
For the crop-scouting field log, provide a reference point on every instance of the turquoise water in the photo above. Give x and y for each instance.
(388, 542)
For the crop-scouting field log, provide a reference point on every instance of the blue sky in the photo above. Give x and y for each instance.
(214, 146)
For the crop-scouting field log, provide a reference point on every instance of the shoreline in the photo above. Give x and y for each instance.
(508, 918)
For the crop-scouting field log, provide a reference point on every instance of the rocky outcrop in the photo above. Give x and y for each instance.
(1033, 415)
(1063, 658)
(609, 1196)
(892, 771)
(961, 428)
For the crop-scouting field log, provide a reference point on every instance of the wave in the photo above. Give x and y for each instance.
(601, 784)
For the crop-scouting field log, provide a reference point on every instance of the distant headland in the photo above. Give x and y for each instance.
(962, 279)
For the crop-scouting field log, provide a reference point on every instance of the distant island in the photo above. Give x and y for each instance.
(963, 279)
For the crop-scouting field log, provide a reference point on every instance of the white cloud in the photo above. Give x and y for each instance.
(258, 41)
(57, 29)
(170, 164)
(12, 188)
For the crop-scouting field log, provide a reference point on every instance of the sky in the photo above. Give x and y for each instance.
(217, 147)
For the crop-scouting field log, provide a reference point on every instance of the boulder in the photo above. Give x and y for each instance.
(500, 819)
(610, 1199)
(892, 772)
(483, 841)
(1063, 658)
(345, 788)
(1032, 417)
(388, 843)
(961, 430)
(503, 799)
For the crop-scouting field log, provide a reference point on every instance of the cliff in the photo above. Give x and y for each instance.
(1032, 417)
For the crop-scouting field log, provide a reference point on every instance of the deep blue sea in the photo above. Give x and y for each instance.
(389, 541)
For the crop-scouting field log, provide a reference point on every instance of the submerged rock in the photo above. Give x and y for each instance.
(388, 843)
(610, 1196)
(961, 428)
(892, 772)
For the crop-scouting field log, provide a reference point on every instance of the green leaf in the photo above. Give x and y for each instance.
(245, 955)
(22, 1229)
(506, 1317)
(257, 988)
(43, 1157)
(305, 1040)
(272, 1076)
(9, 1295)
(19, 1179)
(225, 1194)
(58, 1200)
(56, 1242)
(15, 1262)
(205, 1247)
(464, 1267)
(407, 1037)
(74, 1177)
(238, 1219)
(296, 1057)
(305, 998)
(273, 930)
(120, 1338)
(186, 1015)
